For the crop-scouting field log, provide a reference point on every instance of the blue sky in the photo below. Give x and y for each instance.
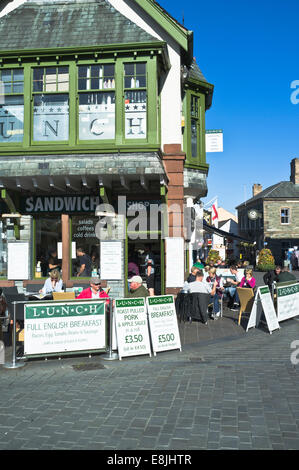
(249, 50)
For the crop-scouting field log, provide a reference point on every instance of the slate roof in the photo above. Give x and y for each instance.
(62, 24)
(281, 190)
(195, 73)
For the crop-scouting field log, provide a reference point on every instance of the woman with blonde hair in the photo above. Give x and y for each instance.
(53, 283)
(248, 280)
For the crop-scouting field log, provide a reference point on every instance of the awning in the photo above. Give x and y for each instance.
(210, 229)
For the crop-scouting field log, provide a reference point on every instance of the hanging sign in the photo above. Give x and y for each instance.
(58, 327)
(263, 303)
(132, 327)
(287, 302)
(163, 323)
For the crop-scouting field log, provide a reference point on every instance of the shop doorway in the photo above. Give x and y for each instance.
(47, 239)
(137, 252)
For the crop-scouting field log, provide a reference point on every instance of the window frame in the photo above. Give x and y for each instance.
(12, 68)
(43, 92)
(288, 216)
(74, 144)
(200, 160)
(100, 90)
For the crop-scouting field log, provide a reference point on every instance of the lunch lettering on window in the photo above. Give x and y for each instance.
(51, 104)
(135, 83)
(96, 88)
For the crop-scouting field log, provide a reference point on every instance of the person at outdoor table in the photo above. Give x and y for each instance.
(231, 289)
(53, 283)
(94, 291)
(248, 280)
(202, 287)
(272, 276)
(212, 277)
(285, 275)
(136, 288)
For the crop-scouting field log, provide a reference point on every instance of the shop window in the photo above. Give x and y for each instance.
(135, 100)
(47, 237)
(195, 126)
(285, 216)
(96, 84)
(84, 236)
(50, 104)
(11, 105)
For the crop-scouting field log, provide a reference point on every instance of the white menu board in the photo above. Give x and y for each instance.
(18, 260)
(132, 327)
(174, 262)
(163, 323)
(287, 301)
(111, 261)
(263, 302)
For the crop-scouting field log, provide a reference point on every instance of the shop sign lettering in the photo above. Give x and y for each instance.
(35, 204)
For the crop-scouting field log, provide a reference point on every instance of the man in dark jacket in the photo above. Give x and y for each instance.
(136, 288)
(272, 276)
(285, 275)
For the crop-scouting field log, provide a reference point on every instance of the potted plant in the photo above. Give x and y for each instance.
(266, 260)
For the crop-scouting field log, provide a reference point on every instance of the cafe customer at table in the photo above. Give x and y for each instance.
(136, 288)
(94, 291)
(53, 284)
(285, 275)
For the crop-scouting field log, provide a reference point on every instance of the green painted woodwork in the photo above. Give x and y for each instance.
(198, 162)
(181, 35)
(119, 144)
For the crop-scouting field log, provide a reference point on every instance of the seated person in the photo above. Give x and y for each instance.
(136, 288)
(202, 287)
(212, 277)
(231, 287)
(192, 274)
(248, 280)
(272, 276)
(53, 283)
(94, 291)
(285, 275)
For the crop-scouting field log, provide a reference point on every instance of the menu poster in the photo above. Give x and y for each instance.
(263, 302)
(111, 260)
(163, 323)
(175, 262)
(132, 327)
(18, 260)
(287, 302)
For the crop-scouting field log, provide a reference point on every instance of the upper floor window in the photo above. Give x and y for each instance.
(284, 216)
(11, 105)
(50, 104)
(135, 100)
(96, 88)
(195, 126)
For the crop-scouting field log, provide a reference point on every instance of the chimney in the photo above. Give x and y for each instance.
(256, 189)
(294, 178)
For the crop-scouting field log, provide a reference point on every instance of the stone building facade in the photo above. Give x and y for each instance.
(271, 217)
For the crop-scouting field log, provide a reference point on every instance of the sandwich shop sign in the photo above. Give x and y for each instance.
(64, 203)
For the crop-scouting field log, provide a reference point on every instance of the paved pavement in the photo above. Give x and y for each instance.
(226, 389)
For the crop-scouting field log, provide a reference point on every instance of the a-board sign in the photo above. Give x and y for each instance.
(59, 327)
(163, 323)
(263, 303)
(132, 327)
(287, 302)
